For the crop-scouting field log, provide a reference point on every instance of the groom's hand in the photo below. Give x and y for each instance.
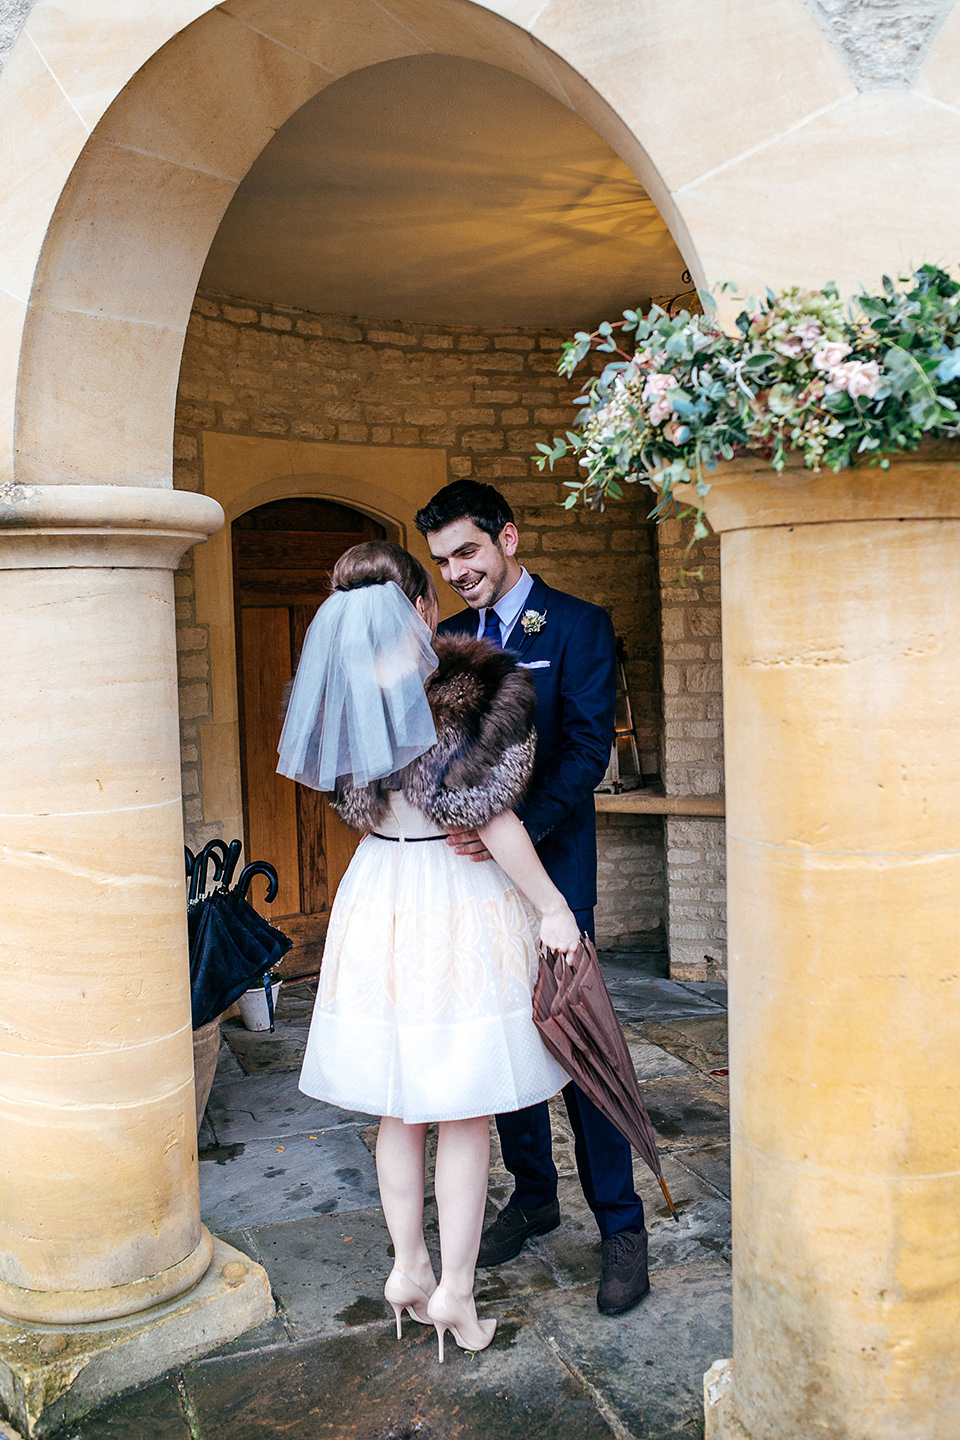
(468, 842)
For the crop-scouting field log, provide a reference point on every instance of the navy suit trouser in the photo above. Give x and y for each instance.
(604, 1159)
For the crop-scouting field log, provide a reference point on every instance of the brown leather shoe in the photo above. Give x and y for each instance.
(625, 1281)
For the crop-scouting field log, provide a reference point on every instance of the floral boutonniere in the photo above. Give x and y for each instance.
(533, 621)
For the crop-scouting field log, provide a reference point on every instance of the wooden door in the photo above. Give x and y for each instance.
(283, 554)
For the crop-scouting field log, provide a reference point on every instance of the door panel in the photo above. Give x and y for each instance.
(271, 800)
(283, 554)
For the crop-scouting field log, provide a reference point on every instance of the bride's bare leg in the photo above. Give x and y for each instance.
(400, 1156)
(463, 1168)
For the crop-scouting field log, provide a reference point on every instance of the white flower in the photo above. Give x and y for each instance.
(533, 621)
(829, 356)
(808, 333)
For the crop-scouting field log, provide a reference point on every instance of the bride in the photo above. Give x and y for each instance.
(423, 1011)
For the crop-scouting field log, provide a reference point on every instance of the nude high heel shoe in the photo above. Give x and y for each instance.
(402, 1293)
(447, 1313)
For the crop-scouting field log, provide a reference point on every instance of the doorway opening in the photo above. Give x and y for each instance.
(283, 555)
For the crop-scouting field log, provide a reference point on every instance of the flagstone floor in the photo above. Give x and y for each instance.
(292, 1183)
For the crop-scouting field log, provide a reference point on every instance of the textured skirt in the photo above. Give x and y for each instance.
(424, 1008)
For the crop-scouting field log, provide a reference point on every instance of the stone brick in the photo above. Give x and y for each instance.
(514, 342)
(239, 315)
(194, 666)
(390, 337)
(488, 467)
(501, 362)
(483, 439)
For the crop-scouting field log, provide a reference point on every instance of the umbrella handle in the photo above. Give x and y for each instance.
(198, 882)
(188, 860)
(230, 863)
(666, 1196)
(258, 867)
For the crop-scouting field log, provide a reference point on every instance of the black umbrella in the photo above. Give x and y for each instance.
(231, 946)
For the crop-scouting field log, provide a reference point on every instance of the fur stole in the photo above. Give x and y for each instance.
(482, 705)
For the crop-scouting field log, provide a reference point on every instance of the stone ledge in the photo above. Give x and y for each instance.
(51, 1375)
(650, 802)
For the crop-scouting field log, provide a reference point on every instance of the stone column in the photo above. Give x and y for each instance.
(100, 1215)
(841, 621)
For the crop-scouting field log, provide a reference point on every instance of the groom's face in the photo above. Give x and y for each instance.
(479, 568)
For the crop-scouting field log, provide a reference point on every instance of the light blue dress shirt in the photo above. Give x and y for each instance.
(509, 606)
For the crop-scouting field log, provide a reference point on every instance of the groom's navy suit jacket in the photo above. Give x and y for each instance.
(573, 663)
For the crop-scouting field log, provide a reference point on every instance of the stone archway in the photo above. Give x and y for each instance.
(129, 127)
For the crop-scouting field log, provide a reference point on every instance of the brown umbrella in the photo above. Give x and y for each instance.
(574, 1014)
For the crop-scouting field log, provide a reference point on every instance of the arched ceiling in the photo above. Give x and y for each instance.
(432, 188)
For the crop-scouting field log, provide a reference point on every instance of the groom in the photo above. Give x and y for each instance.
(568, 648)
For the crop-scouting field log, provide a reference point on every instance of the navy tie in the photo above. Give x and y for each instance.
(491, 628)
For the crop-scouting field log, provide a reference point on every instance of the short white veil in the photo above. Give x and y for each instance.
(358, 709)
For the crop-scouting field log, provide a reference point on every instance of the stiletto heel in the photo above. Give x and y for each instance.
(402, 1293)
(447, 1313)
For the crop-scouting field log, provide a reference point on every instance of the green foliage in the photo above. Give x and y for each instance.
(799, 374)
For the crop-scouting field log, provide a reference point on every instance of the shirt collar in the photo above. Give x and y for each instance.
(509, 606)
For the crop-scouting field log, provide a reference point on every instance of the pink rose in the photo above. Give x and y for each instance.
(829, 356)
(655, 393)
(676, 432)
(857, 377)
(792, 346)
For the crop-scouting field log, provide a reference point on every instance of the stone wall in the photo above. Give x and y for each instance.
(486, 398)
(693, 750)
(630, 881)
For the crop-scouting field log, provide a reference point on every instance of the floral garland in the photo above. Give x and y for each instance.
(801, 373)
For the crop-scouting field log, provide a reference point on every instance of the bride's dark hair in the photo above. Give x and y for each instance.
(374, 562)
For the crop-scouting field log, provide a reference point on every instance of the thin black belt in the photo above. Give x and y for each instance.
(410, 839)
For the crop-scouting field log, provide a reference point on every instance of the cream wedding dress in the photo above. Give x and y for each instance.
(424, 1006)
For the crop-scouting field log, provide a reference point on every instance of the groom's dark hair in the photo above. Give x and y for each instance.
(466, 500)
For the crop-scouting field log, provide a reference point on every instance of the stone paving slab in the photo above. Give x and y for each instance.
(647, 1367)
(653, 1062)
(269, 1106)
(228, 1066)
(711, 1163)
(366, 1386)
(328, 1272)
(701, 1041)
(262, 1181)
(258, 1050)
(154, 1413)
(638, 997)
(687, 1110)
